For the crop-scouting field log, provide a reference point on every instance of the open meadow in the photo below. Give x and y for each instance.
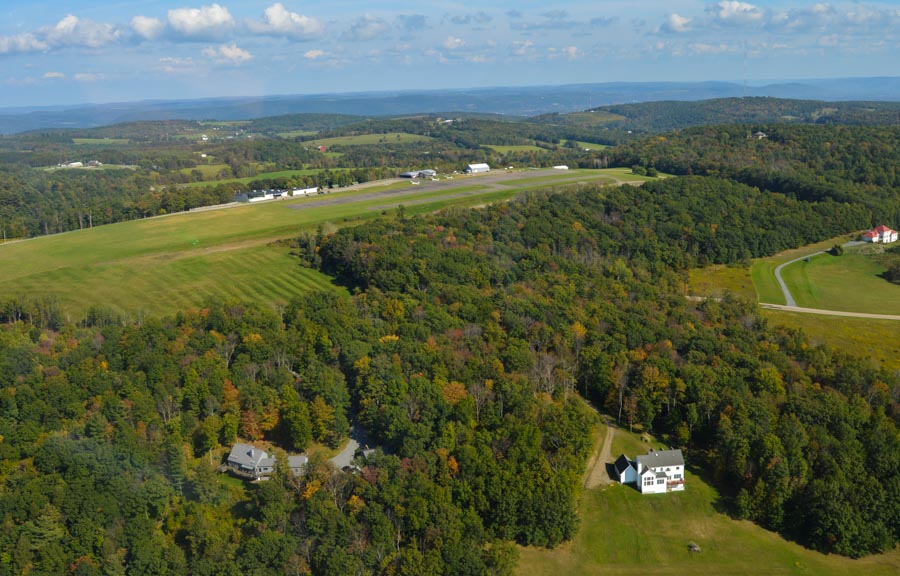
(165, 264)
(850, 282)
(625, 532)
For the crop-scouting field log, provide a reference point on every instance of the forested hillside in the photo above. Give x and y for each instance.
(655, 117)
(467, 352)
(855, 164)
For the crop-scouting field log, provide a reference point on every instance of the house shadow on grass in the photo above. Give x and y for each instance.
(720, 504)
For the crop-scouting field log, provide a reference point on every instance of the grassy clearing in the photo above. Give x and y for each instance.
(209, 171)
(849, 282)
(763, 270)
(625, 532)
(362, 139)
(875, 339)
(297, 133)
(715, 281)
(100, 141)
(589, 145)
(161, 265)
(514, 148)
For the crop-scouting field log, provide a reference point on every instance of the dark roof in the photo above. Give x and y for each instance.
(622, 464)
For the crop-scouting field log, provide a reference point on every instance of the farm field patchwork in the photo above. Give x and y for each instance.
(624, 532)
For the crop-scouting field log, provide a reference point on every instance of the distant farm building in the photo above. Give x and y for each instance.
(561, 167)
(419, 174)
(880, 235)
(477, 168)
(305, 191)
(760, 135)
(656, 472)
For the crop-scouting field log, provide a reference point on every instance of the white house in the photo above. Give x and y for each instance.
(880, 234)
(656, 472)
(660, 471)
(477, 168)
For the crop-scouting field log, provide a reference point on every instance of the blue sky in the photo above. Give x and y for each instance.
(74, 51)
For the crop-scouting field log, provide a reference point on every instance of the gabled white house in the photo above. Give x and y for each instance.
(880, 234)
(656, 472)
(660, 471)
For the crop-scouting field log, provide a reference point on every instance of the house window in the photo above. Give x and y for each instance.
(648, 481)
(661, 481)
(677, 476)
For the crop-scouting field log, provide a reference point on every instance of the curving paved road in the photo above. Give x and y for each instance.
(829, 312)
(788, 298)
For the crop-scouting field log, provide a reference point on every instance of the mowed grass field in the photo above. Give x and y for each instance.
(623, 532)
(763, 270)
(162, 265)
(850, 282)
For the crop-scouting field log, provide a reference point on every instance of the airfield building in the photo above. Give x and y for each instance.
(477, 168)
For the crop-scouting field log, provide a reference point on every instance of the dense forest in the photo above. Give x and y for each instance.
(471, 351)
(855, 164)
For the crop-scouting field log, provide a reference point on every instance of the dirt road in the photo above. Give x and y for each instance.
(597, 474)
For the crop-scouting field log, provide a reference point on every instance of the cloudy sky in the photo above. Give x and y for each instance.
(73, 51)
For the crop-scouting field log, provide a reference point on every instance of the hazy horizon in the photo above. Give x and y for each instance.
(87, 51)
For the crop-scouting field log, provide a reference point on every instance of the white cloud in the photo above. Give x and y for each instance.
(146, 27)
(228, 54)
(206, 21)
(367, 28)
(26, 42)
(676, 24)
(703, 48)
(734, 12)
(453, 43)
(71, 31)
(522, 47)
(87, 77)
(53, 75)
(175, 65)
(279, 21)
(315, 54)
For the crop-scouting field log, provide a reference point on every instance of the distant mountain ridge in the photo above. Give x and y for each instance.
(514, 101)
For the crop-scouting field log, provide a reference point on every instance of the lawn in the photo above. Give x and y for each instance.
(386, 138)
(763, 270)
(850, 282)
(625, 532)
(297, 133)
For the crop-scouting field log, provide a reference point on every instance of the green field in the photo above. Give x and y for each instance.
(717, 280)
(386, 138)
(297, 133)
(100, 141)
(849, 282)
(161, 265)
(517, 148)
(763, 270)
(209, 171)
(589, 145)
(625, 532)
(862, 337)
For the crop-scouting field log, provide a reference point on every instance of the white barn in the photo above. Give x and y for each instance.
(477, 168)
